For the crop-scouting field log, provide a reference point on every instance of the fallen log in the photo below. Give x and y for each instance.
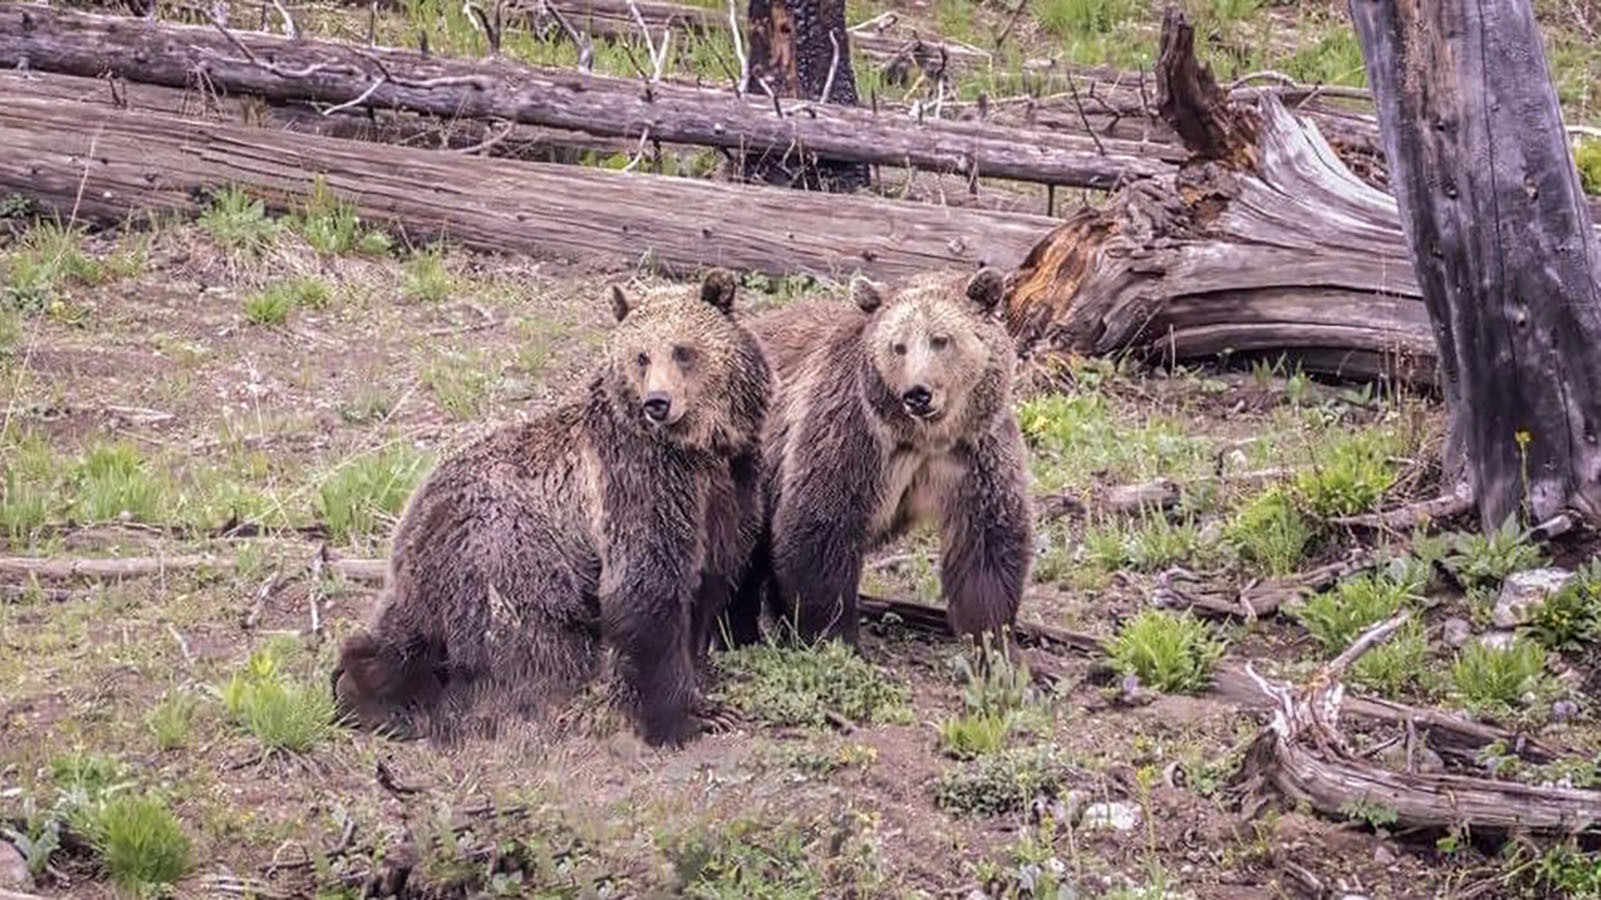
(1303, 754)
(27, 568)
(281, 69)
(103, 164)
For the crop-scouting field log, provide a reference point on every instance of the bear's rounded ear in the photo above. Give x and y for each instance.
(986, 288)
(867, 294)
(619, 303)
(718, 289)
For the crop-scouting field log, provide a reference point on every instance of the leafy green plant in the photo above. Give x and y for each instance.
(171, 721)
(1398, 666)
(238, 222)
(1486, 560)
(273, 305)
(1494, 680)
(284, 713)
(113, 481)
(367, 492)
(48, 262)
(972, 734)
(1374, 814)
(1150, 545)
(1004, 782)
(1352, 477)
(1270, 531)
(459, 384)
(1587, 156)
(427, 279)
(1571, 615)
(796, 685)
(1167, 651)
(329, 224)
(1335, 617)
(140, 842)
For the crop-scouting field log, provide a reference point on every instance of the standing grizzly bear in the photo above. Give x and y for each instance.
(622, 519)
(886, 414)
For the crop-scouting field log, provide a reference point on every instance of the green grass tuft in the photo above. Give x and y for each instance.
(1399, 667)
(1270, 531)
(1484, 561)
(48, 263)
(1495, 681)
(114, 482)
(171, 722)
(365, 494)
(1167, 651)
(284, 713)
(329, 224)
(273, 305)
(238, 222)
(798, 686)
(141, 843)
(1335, 617)
(427, 279)
(1587, 156)
(1352, 477)
(1004, 782)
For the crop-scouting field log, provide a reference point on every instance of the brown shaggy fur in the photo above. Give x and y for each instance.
(623, 519)
(888, 413)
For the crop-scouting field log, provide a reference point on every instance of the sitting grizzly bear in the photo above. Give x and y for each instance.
(623, 518)
(886, 414)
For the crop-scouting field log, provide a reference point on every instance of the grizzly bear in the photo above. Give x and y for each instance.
(622, 520)
(887, 414)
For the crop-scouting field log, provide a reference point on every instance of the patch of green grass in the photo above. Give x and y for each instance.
(998, 701)
(141, 843)
(1484, 561)
(798, 686)
(273, 305)
(367, 406)
(172, 720)
(1167, 651)
(10, 335)
(1493, 681)
(366, 493)
(1571, 616)
(30, 470)
(114, 481)
(329, 224)
(786, 860)
(1398, 667)
(972, 734)
(1270, 531)
(1148, 545)
(1335, 617)
(460, 384)
(238, 222)
(1068, 18)
(1564, 871)
(48, 262)
(427, 279)
(1351, 477)
(282, 712)
(1587, 156)
(1334, 58)
(1004, 782)
(1080, 438)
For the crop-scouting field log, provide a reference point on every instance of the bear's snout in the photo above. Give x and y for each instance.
(918, 400)
(658, 406)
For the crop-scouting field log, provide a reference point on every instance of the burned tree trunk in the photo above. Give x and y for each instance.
(800, 49)
(1501, 244)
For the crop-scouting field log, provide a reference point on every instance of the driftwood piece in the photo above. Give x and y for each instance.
(281, 69)
(1502, 245)
(104, 164)
(1303, 754)
(1412, 515)
(1258, 599)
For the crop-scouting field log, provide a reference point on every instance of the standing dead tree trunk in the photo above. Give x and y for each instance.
(800, 48)
(1501, 243)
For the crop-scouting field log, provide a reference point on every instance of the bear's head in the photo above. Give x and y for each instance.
(684, 370)
(939, 346)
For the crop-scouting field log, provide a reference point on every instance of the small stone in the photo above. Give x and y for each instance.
(1564, 711)
(1113, 816)
(1525, 592)
(516, 389)
(1383, 856)
(1237, 459)
(1130, 686)
(1497, 640)
(13, 868)
(1458, 631)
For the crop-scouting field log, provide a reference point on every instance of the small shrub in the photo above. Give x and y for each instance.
(282, 712)
(460, 386)
(1004, 782)
(1167, 651)
(764, 860)
(1490, 680)
(1486, 560)
(1334, 618)
(330, 225)
(1587, 156)
(48, 261)
(785, 685)
(268, 308)
(140, 842)
(113, 483)
(238, 222)
(171, 721)
(1398, 666)
(366, 493)
(1572, 615)
(1150, 546)
(427, 280)
(974, 734)
(1270, 531)
(1352, 477)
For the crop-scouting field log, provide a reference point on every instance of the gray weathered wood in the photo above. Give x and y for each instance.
(326, 72)
(1501, 244)
(108, 163)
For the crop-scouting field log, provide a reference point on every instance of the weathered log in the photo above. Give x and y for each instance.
(25, 568)
(1501, 244)
(280, 69)
(106, 164)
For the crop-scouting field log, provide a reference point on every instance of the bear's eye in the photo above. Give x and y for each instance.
(683, 355)
(900, 349)
(644, 360)
(938, 343)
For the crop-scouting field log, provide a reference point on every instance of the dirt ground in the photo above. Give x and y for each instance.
(146, 355)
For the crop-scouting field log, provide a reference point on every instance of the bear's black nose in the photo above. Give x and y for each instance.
(917, 399)
(657, 406)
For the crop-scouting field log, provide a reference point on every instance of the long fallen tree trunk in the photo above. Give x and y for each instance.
(104, 164)
(277, 68)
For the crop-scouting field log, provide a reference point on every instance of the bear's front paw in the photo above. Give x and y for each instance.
(717, 718)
